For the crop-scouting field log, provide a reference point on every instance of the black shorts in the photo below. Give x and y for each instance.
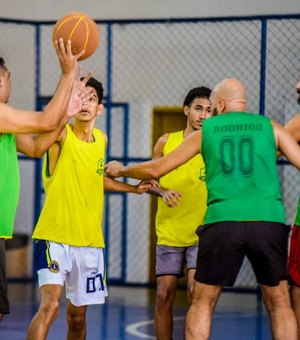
(4, 305)
(224, 245)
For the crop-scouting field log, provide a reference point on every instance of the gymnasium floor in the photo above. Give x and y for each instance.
(128, 314)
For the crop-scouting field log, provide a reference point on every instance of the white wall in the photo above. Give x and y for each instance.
(144, 9)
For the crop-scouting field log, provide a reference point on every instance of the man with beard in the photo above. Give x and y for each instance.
(245, 214)
(176, 218)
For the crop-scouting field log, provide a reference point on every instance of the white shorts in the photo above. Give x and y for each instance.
(81, 269)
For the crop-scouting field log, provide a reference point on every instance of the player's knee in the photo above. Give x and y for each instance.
(49, 309)
(277, 301)
(76, 322)
(277, 304)
(164, 296)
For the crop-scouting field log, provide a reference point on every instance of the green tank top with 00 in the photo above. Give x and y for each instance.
(239, 153)
(9, 184)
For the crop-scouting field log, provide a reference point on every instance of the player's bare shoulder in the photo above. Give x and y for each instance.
(293, 126)
(104, 136)
(293, 123)
(163, 139)
(159, 146)
(278, 130)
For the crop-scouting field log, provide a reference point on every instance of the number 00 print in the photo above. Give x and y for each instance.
(237, 155)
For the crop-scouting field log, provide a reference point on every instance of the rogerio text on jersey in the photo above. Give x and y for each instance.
(238, 127)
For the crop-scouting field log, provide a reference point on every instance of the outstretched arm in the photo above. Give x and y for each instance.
(21, 121)
(36, 145)
(117, 186)
(159, 167)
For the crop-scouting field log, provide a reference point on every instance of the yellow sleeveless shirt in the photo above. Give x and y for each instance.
(177, 226)
(72, 212)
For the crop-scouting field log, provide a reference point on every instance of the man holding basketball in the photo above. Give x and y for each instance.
(13, 122)
(69, 247)
(176, 218)
(239, 150)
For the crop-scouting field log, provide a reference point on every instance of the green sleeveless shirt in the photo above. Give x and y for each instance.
(239, 153)
(9, 184)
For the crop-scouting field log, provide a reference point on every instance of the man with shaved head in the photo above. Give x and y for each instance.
(245, 214)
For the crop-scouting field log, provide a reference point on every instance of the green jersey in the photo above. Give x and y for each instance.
(9, 184)
(239, 153)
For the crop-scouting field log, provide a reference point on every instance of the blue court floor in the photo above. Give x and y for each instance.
(128, 314)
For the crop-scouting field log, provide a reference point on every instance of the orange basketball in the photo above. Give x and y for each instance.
(81, 30)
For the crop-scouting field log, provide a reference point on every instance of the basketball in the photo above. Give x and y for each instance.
(81, 30)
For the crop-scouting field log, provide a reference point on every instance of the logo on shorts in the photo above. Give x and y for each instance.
(54, 267)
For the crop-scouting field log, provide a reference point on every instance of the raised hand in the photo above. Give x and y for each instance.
(67, 60)
(80, 93)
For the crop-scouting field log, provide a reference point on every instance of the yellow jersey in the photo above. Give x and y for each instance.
(73, 208)
(177, 226)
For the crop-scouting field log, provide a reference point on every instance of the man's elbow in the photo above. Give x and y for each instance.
(32, 153)
(38, 153)
(49, 126)
(48, 123)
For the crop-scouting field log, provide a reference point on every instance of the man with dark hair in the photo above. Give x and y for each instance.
(177, 241)
(197, 92)
(97, 86)
(13, 122)
(69, 246)
(245, 214)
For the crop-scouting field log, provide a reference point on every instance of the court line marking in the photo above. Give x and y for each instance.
(133, 328)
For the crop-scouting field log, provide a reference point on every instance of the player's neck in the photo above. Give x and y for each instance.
(188, 130)
(84, 131)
